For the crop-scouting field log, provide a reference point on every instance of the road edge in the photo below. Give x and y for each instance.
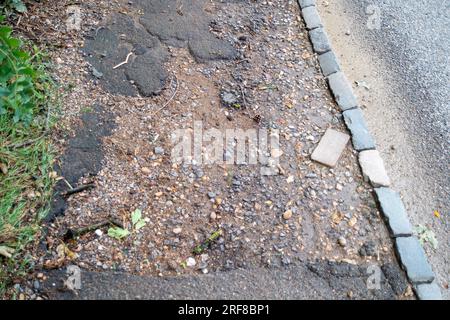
(411, 256)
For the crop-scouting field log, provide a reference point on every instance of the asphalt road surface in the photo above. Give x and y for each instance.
(396, 53)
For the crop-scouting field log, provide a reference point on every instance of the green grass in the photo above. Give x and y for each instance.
(26, 183)
(25, 191)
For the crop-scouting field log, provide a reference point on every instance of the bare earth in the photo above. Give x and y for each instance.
(273, 74)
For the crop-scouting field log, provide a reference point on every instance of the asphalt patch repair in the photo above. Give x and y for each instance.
(143, 41)
(82, 157)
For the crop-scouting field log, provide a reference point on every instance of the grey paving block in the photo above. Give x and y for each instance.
(394, 212)
(372, 166)
(311, 17)
(361, 138)
(413, 260)
(428, 291)
(330, 147)
(329, 63)
(306, 3)
(320, 41)
(342, 90)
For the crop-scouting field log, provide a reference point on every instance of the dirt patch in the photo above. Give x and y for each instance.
(279, 80)
(274, 84)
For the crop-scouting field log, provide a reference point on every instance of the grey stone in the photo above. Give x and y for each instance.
(373, 168)
(312, 18)
(211, 195)
(97, 73)
(319, 40)
(159, 150)
(329, 63)
(394, 212)
(229, 99)
(412, 258)
(342, 90)
(306, 3)
(330, 147)
(361, 138)
(428, 291)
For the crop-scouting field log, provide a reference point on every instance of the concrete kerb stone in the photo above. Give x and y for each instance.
(330, 147)
(306, 3)
(342, 90)
(361, 138)
(413, 260)
(319, 40)
(329, 63)
(394, 212)
(409, 250)
(312, 18)
(373, 169)
(428, 291)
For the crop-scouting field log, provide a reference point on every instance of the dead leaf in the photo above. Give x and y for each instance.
(306, 55)
(6, 251)
(337, 217)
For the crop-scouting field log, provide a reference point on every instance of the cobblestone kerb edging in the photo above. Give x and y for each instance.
(409, 251)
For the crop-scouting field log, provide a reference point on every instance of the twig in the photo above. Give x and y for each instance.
(79, 189)
(243, 60)
(67, 183)
(243, 95)
(125, 62)
(74, 233)
(171, 98)
(28, 142)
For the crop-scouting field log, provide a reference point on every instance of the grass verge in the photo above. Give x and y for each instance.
(26, 175)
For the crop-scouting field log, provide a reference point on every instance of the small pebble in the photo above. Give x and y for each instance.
(190, 262)
(287, 214)
(211, 195)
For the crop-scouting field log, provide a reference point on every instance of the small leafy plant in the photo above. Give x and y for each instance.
(120, 233)
(136, 219)
(19, 80)
(426, 235)
(199, 249)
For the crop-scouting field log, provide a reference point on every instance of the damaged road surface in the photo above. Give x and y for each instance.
(190, 229)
